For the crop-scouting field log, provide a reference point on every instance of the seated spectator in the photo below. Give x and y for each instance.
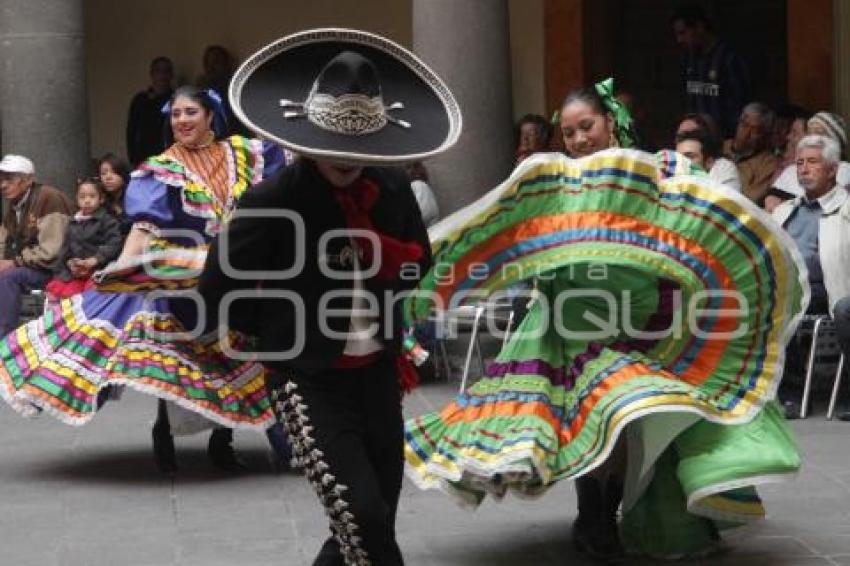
(30, 236)
(751, 150)
(819, 223)
(424, 195)
(835, 247)
(789, 130)
(831, 125)
(93, 239)
(697, 121)
(115, 175)
(817, 166)
(531, 135)
(786, 185)
(701, 149)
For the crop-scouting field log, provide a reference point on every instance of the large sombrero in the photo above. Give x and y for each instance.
(346, 95)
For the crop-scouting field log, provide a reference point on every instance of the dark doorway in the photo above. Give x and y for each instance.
(646, 59)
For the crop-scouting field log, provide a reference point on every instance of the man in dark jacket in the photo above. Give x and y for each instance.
(716, 79)
(316, 261)
(30, 237)
(145, 120)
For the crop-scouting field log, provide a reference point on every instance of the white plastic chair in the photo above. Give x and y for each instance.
(836, 385)
(487, 315)
(823, 336)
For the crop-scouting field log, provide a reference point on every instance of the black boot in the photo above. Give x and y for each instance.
(221, 453)
(163, 442)
(595, 529)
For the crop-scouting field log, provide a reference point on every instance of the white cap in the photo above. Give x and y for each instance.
(16, 164)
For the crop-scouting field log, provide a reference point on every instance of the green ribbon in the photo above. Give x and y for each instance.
(623, 123)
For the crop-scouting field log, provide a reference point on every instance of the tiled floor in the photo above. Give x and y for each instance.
(91, 497)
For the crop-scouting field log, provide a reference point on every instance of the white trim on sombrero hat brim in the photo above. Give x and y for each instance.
(357, 37)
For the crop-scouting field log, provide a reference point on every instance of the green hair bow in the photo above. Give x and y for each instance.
(623, 123)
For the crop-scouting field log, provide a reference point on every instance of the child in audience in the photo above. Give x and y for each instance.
(114, 173)
(92, 239)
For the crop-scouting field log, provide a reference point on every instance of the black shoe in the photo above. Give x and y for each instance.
(845, 416)
(791, 410)
(601, 544)
(163, 448)
(221, 453)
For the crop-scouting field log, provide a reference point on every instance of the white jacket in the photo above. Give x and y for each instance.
(724, 171)
(833, 240)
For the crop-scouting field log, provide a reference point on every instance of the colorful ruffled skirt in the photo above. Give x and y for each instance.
(664, 302)
(62, 362)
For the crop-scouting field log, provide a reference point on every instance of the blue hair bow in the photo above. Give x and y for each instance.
(214, 96)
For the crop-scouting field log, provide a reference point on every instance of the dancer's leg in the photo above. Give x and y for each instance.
(327, 417)
(163, 442)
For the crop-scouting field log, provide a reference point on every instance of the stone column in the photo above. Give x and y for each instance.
(43, 105)
(468, 44)
(841, 60)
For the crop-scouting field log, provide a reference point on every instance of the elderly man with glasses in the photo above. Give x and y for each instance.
(819, 223)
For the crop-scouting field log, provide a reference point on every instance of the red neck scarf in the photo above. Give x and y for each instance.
(357, 201)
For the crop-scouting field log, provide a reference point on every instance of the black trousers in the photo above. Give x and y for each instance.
(346, 430)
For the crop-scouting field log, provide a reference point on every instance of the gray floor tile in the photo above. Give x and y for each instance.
(92, 497)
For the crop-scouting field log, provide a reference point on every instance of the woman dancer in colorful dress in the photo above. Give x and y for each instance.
(136, 328)
(647, 365)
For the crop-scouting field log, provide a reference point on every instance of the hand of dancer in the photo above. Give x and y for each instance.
(82, 267)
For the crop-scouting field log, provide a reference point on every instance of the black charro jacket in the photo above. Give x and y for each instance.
(269, 244)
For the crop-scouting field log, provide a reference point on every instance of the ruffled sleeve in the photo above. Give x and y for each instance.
(146, 201)
(274, 158)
